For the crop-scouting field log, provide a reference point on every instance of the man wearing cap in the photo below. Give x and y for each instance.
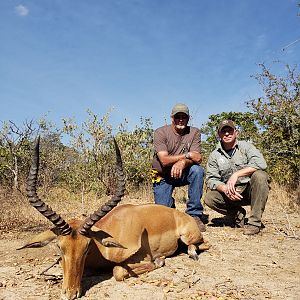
(176, 162)
(235, 177)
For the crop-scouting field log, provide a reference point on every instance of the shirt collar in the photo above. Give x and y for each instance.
(220, 148)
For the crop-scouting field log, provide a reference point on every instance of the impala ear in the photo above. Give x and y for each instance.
(111, 243)
(105, 239)
(41, 239)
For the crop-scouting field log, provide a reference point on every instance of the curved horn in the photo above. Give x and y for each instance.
(109, 205)
(37, 203)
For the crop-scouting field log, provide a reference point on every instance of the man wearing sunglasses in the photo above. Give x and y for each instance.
(176, 162)
(235, 177)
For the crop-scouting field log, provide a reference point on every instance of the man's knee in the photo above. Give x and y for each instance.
(260, 176)
(210, 198)
(197, 170)
(163, 200)
(163, 194)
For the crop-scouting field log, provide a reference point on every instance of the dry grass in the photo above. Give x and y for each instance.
(16, 214)
(289, 201)
(281, 205)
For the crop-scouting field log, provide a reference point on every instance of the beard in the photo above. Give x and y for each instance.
(180, 127)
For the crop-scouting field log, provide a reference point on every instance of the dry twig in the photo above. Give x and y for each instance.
(283, 232)
(56, 262)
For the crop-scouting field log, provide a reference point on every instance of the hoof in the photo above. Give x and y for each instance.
(194, 256)
(159, 262)
(119, 273)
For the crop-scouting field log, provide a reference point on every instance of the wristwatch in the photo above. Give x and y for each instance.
(187, 155)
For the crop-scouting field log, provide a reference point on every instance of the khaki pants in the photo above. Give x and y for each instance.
(255, 194)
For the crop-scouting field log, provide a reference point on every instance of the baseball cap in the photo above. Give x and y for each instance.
(180, 108)
(226, 123)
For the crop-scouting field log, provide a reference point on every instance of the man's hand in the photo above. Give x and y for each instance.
(231, 194)
(196, 157)
(169, 160)
(177, 169)
(231, 183)
(229, 188)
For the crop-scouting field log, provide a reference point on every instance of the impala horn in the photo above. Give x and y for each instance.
(113, 202)
(63, 227)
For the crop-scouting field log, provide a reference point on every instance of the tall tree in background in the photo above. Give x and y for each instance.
(278, 115)
(137, 152)
(90, 141)
(15, 150)
(93, 168)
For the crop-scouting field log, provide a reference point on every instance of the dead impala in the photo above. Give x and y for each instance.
(133, 239)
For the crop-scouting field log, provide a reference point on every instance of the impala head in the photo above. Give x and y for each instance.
(73, 237)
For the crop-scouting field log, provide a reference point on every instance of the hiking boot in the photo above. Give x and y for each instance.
(237, 220)
(240, 218)
(251, 229)
(200, 224)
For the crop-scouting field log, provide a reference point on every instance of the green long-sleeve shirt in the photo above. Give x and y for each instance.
(221, 166)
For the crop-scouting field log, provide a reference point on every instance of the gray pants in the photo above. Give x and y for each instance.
(255, 194)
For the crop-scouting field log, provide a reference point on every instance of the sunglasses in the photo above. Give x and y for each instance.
(227, 129)
(180, 117)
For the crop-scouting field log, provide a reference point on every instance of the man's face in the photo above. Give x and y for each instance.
(228, 135)
(180, 121)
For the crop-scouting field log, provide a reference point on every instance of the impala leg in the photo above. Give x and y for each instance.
(192, 252)
(132, 270)
(122, 272)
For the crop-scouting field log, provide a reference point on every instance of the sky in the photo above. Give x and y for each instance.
(137, 58)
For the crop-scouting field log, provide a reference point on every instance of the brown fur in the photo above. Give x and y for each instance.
(133, 239)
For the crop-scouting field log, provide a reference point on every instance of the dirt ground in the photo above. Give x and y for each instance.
(264, 266)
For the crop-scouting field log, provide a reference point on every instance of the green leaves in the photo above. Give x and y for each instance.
(278, 113)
